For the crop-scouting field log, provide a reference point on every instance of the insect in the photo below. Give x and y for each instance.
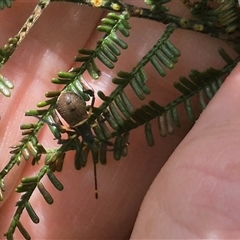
(73, 110)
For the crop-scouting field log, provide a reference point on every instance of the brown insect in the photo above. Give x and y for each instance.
(73, 110)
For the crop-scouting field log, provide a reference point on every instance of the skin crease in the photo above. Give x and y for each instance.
(196, 193)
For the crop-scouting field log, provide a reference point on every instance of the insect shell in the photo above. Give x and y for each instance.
(73, 110)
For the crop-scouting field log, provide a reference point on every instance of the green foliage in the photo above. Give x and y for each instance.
(5, 86)
(157, 5)
(107, 50)
(116, 117)
(5, 3)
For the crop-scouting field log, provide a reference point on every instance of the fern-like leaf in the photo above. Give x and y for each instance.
(27, 187)
(107, 50)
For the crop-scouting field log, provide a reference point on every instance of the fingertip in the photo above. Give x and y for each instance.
(196, 192)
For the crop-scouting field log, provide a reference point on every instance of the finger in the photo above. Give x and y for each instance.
(77, 193)
(41, 55)
(196, 194)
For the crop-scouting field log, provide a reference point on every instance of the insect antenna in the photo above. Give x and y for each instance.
(95, 180)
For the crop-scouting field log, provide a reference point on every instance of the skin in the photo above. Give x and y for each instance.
(195, 195)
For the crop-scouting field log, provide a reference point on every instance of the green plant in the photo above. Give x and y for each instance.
(219, 19)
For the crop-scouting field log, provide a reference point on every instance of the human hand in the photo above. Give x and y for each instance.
(50, 48)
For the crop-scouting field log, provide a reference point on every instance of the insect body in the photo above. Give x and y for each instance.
(73, 110)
